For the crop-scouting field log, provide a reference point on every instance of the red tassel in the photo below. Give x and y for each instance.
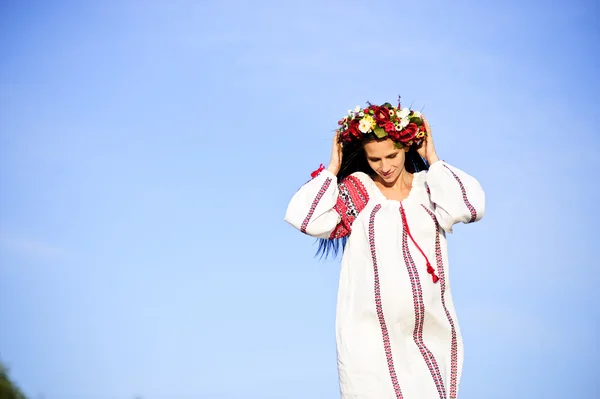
(431, 271)
(316, 172)
(430, 268)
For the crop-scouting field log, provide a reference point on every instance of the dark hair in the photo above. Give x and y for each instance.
(354, 160)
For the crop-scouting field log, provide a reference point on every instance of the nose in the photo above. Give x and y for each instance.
(385, 166)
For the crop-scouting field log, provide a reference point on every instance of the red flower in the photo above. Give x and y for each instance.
(388, 127)
(408, 133)
(353, 129)
(395, 135)
(382, 115)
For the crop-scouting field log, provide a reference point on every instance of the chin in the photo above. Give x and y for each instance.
(390, 177)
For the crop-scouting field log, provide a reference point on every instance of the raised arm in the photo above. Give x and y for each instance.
(311, 209)
(458, 197)
(324, 208)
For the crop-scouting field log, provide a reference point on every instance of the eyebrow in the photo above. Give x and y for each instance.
(388, 155)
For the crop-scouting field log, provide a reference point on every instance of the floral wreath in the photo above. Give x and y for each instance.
(404, 126)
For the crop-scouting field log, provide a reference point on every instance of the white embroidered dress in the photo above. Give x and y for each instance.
(397, 333)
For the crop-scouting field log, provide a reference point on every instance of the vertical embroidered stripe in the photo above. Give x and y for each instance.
(314, 204)
(464, 194)
(384, 331)
(442, 276)
(420, 318)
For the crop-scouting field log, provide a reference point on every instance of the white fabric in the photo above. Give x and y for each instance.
(419, 317)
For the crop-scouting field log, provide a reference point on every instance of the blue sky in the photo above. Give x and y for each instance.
(148, 150)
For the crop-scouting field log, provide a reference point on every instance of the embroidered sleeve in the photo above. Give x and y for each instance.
(323, 208)
(457, 196)
(352, 199)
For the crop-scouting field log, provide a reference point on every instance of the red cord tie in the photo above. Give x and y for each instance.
(316, 172)
(431, 271)
(430, 268)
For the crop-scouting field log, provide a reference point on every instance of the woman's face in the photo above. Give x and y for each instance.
(385, 159)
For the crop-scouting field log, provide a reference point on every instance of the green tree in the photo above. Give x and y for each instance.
(8, 389)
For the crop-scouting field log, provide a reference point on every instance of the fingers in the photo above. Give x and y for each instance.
(337, 141)
(427, 126)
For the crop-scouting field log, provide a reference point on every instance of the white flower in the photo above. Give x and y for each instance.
(404, 122)
(361, 114)
(417, 114)
(349, 112)
(391, 112)
(357, 108)
(364, 126)
(403, 113)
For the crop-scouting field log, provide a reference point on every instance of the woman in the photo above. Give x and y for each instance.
(397, 333)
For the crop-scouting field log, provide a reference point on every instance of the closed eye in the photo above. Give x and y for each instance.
(391, 156)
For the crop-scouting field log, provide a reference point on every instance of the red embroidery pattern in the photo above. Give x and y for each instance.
(453, 345)
(384, 331)
(420, 318)
(314, 204)
(464, 194)
(352, 199)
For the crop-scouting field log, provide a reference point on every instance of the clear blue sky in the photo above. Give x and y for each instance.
(148, 150)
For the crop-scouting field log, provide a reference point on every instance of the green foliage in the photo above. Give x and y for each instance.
(379, 132)
(8, 389)
(416, 120)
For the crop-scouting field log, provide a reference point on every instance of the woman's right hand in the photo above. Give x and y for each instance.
(336, 155)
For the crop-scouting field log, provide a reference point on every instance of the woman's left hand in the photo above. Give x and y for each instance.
(427, 150)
